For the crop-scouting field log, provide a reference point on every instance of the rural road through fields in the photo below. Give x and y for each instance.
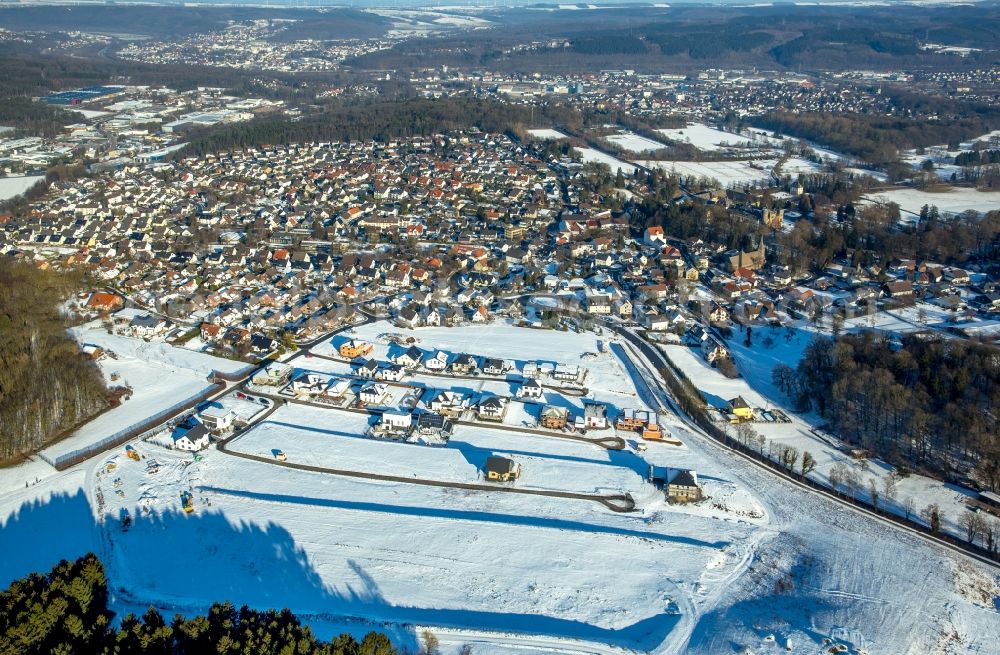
(659, 363)
(614, 502)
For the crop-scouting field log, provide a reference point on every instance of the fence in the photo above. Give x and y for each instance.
(65, 460)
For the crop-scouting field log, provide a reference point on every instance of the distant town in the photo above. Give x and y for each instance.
(570, 328)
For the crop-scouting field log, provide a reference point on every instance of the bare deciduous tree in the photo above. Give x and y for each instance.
(808, 463)
(932, 516)
(873, 492)
(974, 525)
(908, 507)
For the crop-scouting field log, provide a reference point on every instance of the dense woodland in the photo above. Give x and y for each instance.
(379, 120)
(46, 385)
(36, 118)
(66, 612)
(929, 403)
(877, 139)
(876, 237)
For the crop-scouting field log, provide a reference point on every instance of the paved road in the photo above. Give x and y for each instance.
(660, 362)
(615, 502)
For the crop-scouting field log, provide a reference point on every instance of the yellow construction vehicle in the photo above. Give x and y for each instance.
(187, 500)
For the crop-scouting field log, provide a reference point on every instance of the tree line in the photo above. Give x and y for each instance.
(377, 120)
(46, 385)
(929, 403)
(877, 139)
(873, 235)
(977, 158)
(66, 611)
(34, 117)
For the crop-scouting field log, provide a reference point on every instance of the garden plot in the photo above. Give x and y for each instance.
(795, 165)
(920, 317)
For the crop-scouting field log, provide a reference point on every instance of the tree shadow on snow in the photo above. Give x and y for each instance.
(182, 563)
(41, 532)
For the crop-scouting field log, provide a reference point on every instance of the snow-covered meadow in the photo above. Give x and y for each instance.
(590, 155)
(953, 200)
(726, 173)
(758, 565)
(16, 185)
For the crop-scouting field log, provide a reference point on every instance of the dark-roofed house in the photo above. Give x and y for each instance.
(411, 358)
(464, 364)
(491, 408)
(494, 366)
(365, 367)
(501, 469)
(194, 439)
(683, 487)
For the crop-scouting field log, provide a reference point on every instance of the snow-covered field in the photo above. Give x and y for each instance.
(546, 134)
(795, 165)
(159, 375)
(588, 155)
(705, 138)
(757, 565)
(725, 173)
(953, 201)
(15, 186)
(634, 143)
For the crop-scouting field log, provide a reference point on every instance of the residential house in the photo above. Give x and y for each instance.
(491, 408)
(366, 368)
(898, 289)
(493, 366)
(390, 373)
(354, 349)
(437, 362)
(395, 422)
(194, 439)
(530, 389)
(373, 393)
(740, 409)
(217, 418)
(553, 418)
(464, 364)
(101, 301)
(275, 374)
(595, 415)
(501, 469)
(713, 350)
(410, 358)
(448, 403)
(683, 487)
